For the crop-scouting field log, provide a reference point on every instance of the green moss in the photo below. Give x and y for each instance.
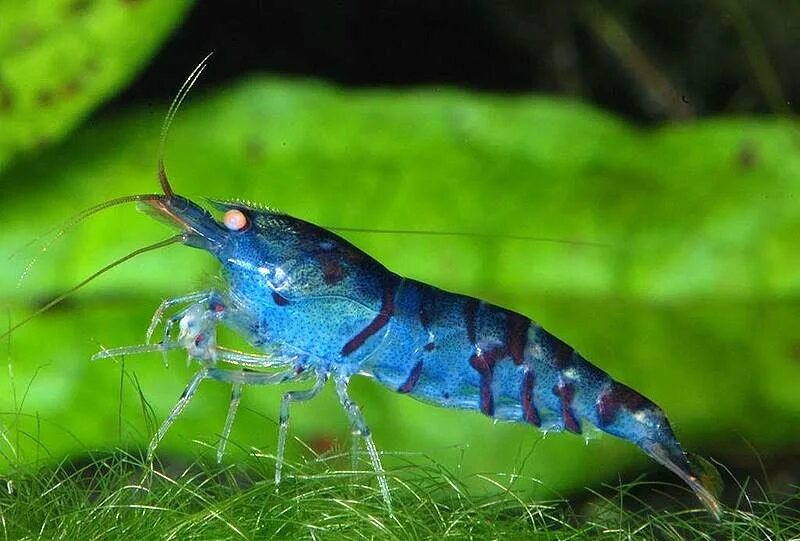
(117, 497)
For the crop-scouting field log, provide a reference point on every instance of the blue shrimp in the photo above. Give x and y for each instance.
(318, 308)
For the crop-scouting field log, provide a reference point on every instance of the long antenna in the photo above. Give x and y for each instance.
(467, 234)
(68, 224)
(123, 259)
(173, 110)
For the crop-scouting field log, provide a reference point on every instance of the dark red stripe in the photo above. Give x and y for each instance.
(629, 398)
(470, 313)
(279, 299)
(607, 406)
(484, 364)
(413, 378)
(517, 336)
(380, 321)
(529, 412)
(478, 362)
(616, 395)
(566, 392)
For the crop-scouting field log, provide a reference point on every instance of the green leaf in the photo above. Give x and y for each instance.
(60, 59)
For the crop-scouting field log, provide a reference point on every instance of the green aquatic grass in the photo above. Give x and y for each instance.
(117, 496)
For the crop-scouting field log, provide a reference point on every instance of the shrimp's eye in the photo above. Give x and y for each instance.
(235, 220)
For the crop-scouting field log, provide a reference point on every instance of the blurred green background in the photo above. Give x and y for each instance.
(663, 133)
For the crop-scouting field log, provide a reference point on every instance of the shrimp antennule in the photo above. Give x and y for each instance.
(173, 110)
(160, 244)
(73, 221)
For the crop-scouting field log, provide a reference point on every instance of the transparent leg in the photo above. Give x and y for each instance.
(134, 350)
(255, 360)
(198, 337)
(167, 304)
(187, 395)
(355, 449)
(236, 395)
(297, 396)
(360, 426)
(238, 379)
(220, 353)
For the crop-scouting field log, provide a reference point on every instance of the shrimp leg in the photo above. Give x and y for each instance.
(197, 322)
(220, 353)
(187, 395)
(297, 396)
(198, 296)
(237, 378)
(256, 360)
(236, 396)
(198, 337)
(361, 429)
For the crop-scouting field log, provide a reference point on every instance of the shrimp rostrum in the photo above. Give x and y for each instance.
(316, 307)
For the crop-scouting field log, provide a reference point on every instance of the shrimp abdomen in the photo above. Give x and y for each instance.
(456, 351)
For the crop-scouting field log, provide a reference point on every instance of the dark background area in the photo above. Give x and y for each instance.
(647, 60)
